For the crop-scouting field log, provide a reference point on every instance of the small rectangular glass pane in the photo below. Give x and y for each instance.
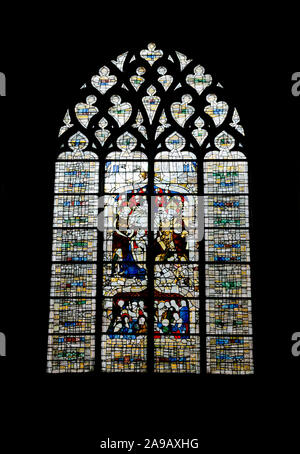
(70, 353)
(225, 177)
(177, 355)
(73, 280)
(228, 316)
(227, 245)
(74, 245)
(76, 177)
(226, 211)
(177, 279)
(75, 211)
(125, 277)
(175, 176)
(126, 176)
(72, 316)
(229, 355)
(177, 316)
(228, 281)
(124, 354)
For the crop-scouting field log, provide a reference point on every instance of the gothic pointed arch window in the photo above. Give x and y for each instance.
(150, 253)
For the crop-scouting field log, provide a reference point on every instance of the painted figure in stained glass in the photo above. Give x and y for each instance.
(171, 317)
(128, 316)
(128, 238)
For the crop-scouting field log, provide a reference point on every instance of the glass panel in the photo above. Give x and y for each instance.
(177, 280)
(176, 316)
(226, 211)
(227, 245)
(175, 177)
(124, 354)
(179, 155)
(175, 228)
(229, 355)
(228, 281)
(177, 355)
(70, 354)
(222, 177)
(124, 315)
(124, 278)
(81, 177)
(136, 155)
(74, 245)
(72, 316)
(125, 229)
(226, 154)
(228, 316)
(75, 211)
(73, 280)
(126, 176)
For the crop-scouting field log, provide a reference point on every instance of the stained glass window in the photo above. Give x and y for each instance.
(151, 264)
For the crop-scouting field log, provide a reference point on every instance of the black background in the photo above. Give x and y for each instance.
(46, 58)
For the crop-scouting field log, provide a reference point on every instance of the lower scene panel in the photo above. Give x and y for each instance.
(128, 353)
(124, 353)
(179, 354)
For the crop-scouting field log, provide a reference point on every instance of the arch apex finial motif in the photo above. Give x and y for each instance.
(104, 81)
(151, 55)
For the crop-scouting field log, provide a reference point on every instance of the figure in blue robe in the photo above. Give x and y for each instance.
(130, 269)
